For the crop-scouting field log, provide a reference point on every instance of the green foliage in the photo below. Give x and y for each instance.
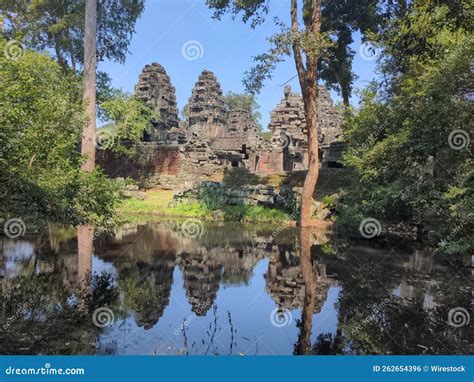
(196, 209)
(339, 20)
(40, 126)
(129, 119)
(63, 28)
(328, 202)
(235, 101)
(212, 199)
(400, 142)
(159, 203)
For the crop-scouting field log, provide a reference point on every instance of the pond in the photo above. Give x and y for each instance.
(189, 288)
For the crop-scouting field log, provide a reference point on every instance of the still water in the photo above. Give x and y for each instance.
(165, 288)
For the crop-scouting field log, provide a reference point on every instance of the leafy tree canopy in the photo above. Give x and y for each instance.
(59, 26)
(243, 101)
(40, 128)
(128, 119)
(420, 115)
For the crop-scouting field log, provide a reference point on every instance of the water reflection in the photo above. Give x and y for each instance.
(170, 293)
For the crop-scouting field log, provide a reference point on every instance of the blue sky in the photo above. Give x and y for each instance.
(226, 48)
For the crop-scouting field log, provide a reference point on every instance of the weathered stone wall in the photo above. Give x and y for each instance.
(159, 166)
(269, 162)
(217, 142)
(289, 131)
(280, 190)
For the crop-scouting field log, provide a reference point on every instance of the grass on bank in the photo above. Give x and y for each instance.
(157, 204)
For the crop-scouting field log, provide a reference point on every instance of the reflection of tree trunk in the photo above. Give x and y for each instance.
(338, 339)
(304, 341)
(85, 241)
(3, 263)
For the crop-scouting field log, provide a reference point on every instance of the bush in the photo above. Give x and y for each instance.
(41, 123)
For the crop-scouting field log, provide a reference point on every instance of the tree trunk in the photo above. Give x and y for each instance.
(61, 61)
(88, 135)
(308, 78)
(71, 51)
(345, 94)
(309, 186)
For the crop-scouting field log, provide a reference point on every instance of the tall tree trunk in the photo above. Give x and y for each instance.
(88, 135)
(71, 51)
(345, 94)
(308, 78)
(61, 61)
(309, 186)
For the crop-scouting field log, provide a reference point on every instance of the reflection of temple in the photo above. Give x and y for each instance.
(156, 280)
(153, 250)
(285, 282)
(420, 261)
(201, 275)
(144, 257)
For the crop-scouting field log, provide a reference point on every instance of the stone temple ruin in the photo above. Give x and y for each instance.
(214, 141)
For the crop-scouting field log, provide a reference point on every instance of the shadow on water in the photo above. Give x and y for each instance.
(167, 288)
